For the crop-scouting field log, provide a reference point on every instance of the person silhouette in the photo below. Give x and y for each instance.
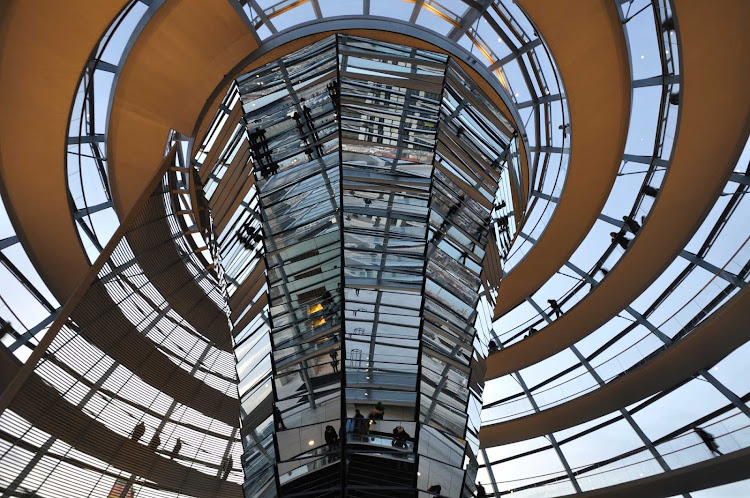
(177, 447)
(138, 431)
(155, 442)
(619, 238)
(709, 440)
(555, 308)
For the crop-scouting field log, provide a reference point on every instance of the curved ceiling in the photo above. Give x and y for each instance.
(711, 89)
(179, 67)
(42, 59)
(704, 347)
(141, 115)
(175, 63)
(592, 57)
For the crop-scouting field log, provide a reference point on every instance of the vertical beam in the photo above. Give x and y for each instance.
(237, 6)
(728, 393)
(340, 68)
(493, 481)
(469, 17)
(293, 94)
(551, 437)
(263, 16)
(316, 9)
(415, 12)
(698, 261)
(389, 208)
(228, 449)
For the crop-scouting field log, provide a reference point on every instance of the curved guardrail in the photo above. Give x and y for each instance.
(86, 160)
(643, 169)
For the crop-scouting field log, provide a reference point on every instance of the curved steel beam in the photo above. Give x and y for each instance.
(711, 88)
(592, 57)
(721, 334)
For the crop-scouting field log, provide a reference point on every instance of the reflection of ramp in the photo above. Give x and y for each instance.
(326, 481)
(333, 379)
(388, 476)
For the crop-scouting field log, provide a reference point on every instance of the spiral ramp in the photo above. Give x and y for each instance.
(600, 399)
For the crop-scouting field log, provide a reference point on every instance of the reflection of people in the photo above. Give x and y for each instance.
(492, 346)
(330, 436)
(334, 360)
(378, 411)
(277, 419)
(435, 489)
(332, 442)
(361, 425)
(400, 437)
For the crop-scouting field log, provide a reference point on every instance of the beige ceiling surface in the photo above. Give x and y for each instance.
(44, 45)
(712, 132)
(180, 56)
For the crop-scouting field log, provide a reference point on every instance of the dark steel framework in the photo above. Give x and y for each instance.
(132, 389)
(526, 48)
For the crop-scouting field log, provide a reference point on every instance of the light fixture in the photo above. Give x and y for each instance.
(643, 56)
(311, 442)
(419, 474)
